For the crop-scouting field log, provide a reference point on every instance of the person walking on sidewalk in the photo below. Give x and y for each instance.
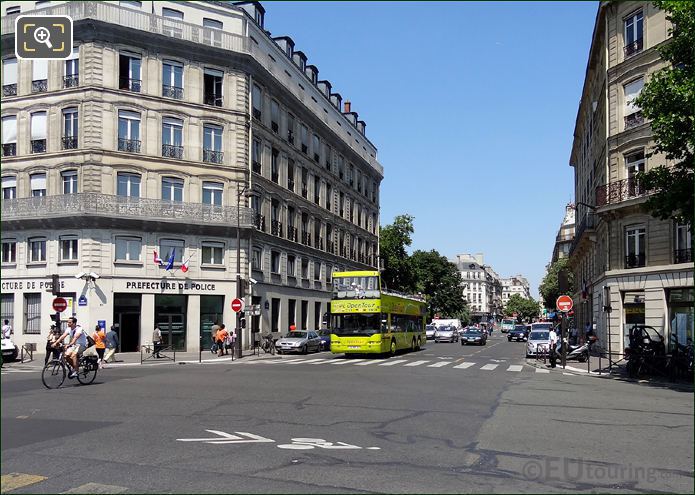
(552, 337)
(156, 341)
(111, 345)
(221, 337)
(99, 344)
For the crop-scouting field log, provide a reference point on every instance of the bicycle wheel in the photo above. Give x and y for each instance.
(87, 371)
(53, 374)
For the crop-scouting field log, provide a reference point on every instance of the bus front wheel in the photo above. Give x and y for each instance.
(418, 345)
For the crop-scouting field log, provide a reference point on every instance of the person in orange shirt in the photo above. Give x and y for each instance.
(99, 344)
(221, 337)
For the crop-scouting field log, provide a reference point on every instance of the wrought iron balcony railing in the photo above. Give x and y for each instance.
(306, 238)
(276, 228)
(129, 84)
(212, 99)
(275, 127)
(69, 142)
(290, 184)
(290, 136)
(275, 177)
(331, 246)
(106, 205)
(9, 149)
(71, 81)
(171, 151)
(292, 233)
(256, 167)
(683, 255)
(38, 145)
(172, 92)
(40, 86)
(9, 90)
(633, 48)
(212, 156)
(619, 191)
(129, 145)
(633, 120)
(635, 260)
(259, 221)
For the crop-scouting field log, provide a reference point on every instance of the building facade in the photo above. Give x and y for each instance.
(565, 235)
(518, 284)
(624, 259)
(180, 145)
(481, 286)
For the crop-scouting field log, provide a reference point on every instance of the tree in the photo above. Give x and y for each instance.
(549, 288)
(668, 101)
(393, 239)
(440, 281)
(526, 309)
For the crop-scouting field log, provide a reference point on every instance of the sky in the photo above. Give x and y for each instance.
(471, 106)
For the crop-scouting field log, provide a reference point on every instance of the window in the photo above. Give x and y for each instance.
(341, 167)
(129, 67)
(290, 128)
(256, 259)
(9, 251)
(304, 136)
(274, 116)
(38, 132)
(213, 253)
(213, 34)
(291, 266)
(69, 178)
(274, 170)
(172, 79)
(315, 147)
(9, 77)
(172, 189)
(317, 190)
(128, 131)
(172, 137)
(37, 250)
(257, 102)
(39, 76)
(633, 34)
(72, 69)
(256, 156)
(683, 252)
(170, 25)
(328, 156)
(37, 182)
(128, 185)
(329, 195)
(212, 143)
(13, 10)
(275, 262)
(290, 174)
(305, 268)
(32, 314)
(633, 114)
(212, 193)
(351, 174)
(317, 271)
(635, 243)
(212, 87)
(128, 248)
(634, 162)
(70, 128)
(9, 136)
(167, 247)
(68, 248)
(9, 187)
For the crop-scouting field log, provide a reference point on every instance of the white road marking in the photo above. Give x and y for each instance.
(489, 367)
(322, 361)
(416, 363)
(393, 362)
(367, 362)
(97, 488)
(305, 361)
(438, 365)
(463, 366)
(347, 361)
(539, 370)
(515, 367)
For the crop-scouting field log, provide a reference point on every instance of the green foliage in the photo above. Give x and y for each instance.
(668, 101)
(549, 288)
(440, 281)
(393, 240)
(526, 309)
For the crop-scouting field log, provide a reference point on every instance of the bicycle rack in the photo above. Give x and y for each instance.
(149, 349)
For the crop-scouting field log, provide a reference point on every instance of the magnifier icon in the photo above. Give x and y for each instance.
(43, 35)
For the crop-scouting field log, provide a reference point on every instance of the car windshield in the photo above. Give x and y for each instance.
(445, 329)
(297, 334)
(430, 328)
(539, 336)
(520, 328)
(473, 332)
(541, 326)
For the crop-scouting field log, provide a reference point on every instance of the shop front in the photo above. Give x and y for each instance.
(681, 316)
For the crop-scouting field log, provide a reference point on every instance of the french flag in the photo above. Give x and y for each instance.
(184, 266)
(157, 259)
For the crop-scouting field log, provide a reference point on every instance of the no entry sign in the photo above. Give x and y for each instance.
(237, 305)
(60, 304)
(564, 303)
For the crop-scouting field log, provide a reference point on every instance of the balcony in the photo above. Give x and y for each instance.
(275, 127)
(588, 223)
(318, 243)
(306, 238)
(9, 90)
(633, 48)
(292, 233)
(633, 120)
(259, 221)
(276, 228)
(212, 100)
(171, 151)
(38, 145)
(73, 206)
(71, 81)
(330, 246)
(635, 260)
(69, 142)
(619, 191)
(212, 156)
(290, 134)
(134, 85)
(290, 184)
(40, 86)
(256, 167)
(9, 149)
(683, 255)
(129, 145)
(172, 92)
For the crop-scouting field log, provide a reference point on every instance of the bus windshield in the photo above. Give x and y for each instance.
(363, 324)
(356, 288)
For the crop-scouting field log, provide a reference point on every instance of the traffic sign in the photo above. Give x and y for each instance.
(564, 303)
(60, 304)
(237, 305)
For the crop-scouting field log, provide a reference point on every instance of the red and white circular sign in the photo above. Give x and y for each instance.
(60, 304)
(564, 303)
(237, 305)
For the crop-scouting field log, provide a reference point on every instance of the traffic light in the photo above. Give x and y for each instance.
(242, 319)
(55, 290)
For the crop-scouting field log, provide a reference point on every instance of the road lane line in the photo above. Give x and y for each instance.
(515, 367)
(463, 366)
(347, 361)
(393, 362)
(489, 367)
(416, 363)
(438, 365)
(13, 481)
(322, 361)
(367, 362)
(539, 370)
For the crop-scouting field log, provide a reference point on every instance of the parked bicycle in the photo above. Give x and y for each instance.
(268, 344)
(55, 371)
(680, 362)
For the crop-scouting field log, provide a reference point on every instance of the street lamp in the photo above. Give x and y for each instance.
(238, 266)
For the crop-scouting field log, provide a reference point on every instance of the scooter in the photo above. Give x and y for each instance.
(575, 352)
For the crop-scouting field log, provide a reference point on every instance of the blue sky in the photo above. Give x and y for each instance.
(471, 106)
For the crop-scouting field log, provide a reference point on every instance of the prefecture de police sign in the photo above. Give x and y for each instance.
(43, 36)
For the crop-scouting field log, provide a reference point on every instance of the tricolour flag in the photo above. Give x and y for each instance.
(170, 261)
(157, 259)
(184, 266)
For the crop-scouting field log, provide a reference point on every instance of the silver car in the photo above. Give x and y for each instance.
(430, 330)
(301, 341)
(446, 334)
(536, 339)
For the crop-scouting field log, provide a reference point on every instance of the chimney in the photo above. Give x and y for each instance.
(346, 106)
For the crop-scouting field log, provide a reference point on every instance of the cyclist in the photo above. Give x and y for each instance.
(76, 345)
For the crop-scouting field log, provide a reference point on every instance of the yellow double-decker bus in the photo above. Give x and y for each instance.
(367, 320)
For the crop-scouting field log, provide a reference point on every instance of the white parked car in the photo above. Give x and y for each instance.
(430, 330)
(535, 339)
(9, 350)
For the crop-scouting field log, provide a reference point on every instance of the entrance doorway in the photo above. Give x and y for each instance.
(170, 317)
(126, 319)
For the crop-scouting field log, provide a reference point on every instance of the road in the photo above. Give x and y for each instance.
(446, 419)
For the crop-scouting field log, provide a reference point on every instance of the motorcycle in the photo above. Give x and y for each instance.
(574, 352)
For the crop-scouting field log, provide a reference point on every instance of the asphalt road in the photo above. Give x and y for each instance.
(424, 422)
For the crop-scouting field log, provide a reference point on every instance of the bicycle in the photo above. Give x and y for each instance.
(268, 344)
(55, 371)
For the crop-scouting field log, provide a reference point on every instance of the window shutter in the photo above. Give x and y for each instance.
(9, 67)
(38, 125)
(40, 70)
(9, 182)
(9, 130)
(38, 181)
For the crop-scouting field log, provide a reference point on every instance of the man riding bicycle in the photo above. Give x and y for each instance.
(76, 346)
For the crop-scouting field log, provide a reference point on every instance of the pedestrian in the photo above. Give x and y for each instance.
(99, 344)
(552, 338)
(228, 343)
(221, 337)
(156, 341)
(111, 345)
(213, 336)
(6, 329)
(51, 349)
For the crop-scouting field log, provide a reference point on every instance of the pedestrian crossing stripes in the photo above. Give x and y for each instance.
(515, 367)
(393, 362)
(463, 366)
(437, 365)
(416, 363)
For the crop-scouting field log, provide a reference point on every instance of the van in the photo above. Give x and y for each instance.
(508, 325)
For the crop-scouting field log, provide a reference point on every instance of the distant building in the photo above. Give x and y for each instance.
(565, 234)
(481, 286)
(518, 284)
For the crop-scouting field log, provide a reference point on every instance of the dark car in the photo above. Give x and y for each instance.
(519, 334)
(325, 336)
(473, 336)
